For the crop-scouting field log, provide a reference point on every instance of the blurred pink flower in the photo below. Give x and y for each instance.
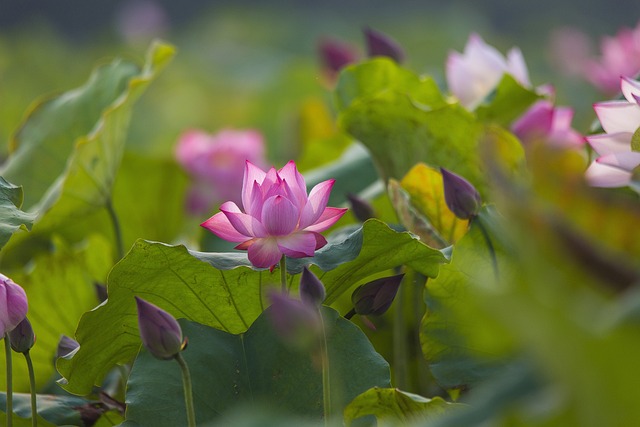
(570, 50)
(619, 56)
(472, 75)
(545, 122)
(216, 164)
(279, 217)
(620, 120)
(141, 20)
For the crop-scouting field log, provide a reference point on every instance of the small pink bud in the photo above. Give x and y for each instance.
(160, 332)
(13, 305)
(460, 195)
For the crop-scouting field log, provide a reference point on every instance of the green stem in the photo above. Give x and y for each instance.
(487, 239)
(32, 385)
(116, 228)
(9, 409)
(188, 393)
(326, 375)
(399, 341)
(283, 275)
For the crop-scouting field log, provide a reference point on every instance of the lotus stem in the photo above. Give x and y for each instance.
(9, 409)
(487, 239)
(117, 231)
(283, 275)
(32, 385)
(188, 392)
(326, 374)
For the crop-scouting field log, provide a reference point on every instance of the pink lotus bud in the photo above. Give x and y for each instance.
(375, 298)
(66, 345)
(13, 305)
(279, 217)
(312, 290)
(22, 337)
(160, 332)
(216, 164)
(460, 195)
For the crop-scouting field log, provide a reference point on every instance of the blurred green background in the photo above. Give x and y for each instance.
(254, 63)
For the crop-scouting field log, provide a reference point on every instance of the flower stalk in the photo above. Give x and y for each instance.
(283, 275)
(326, 373)
(117, 231)
(9, 406)
(188, 390)
(32, 387)
(487, 239)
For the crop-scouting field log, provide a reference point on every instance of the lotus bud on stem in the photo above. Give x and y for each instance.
(162, 336)
(22, 339)
(14, 304)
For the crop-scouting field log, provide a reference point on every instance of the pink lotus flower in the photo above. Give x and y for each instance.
(279, 217)
(472, 75)
(545, 122)
(215, 163)
(13, 305)
(619, 119)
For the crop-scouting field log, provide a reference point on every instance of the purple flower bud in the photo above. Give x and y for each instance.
(160, 332)
(312, 290)
(335, 55)
(297, 323)
(379, 44)
(22, 337)
(360, 208)
(461, 196)
(13, 305)
(374, 298)
(66, 345)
